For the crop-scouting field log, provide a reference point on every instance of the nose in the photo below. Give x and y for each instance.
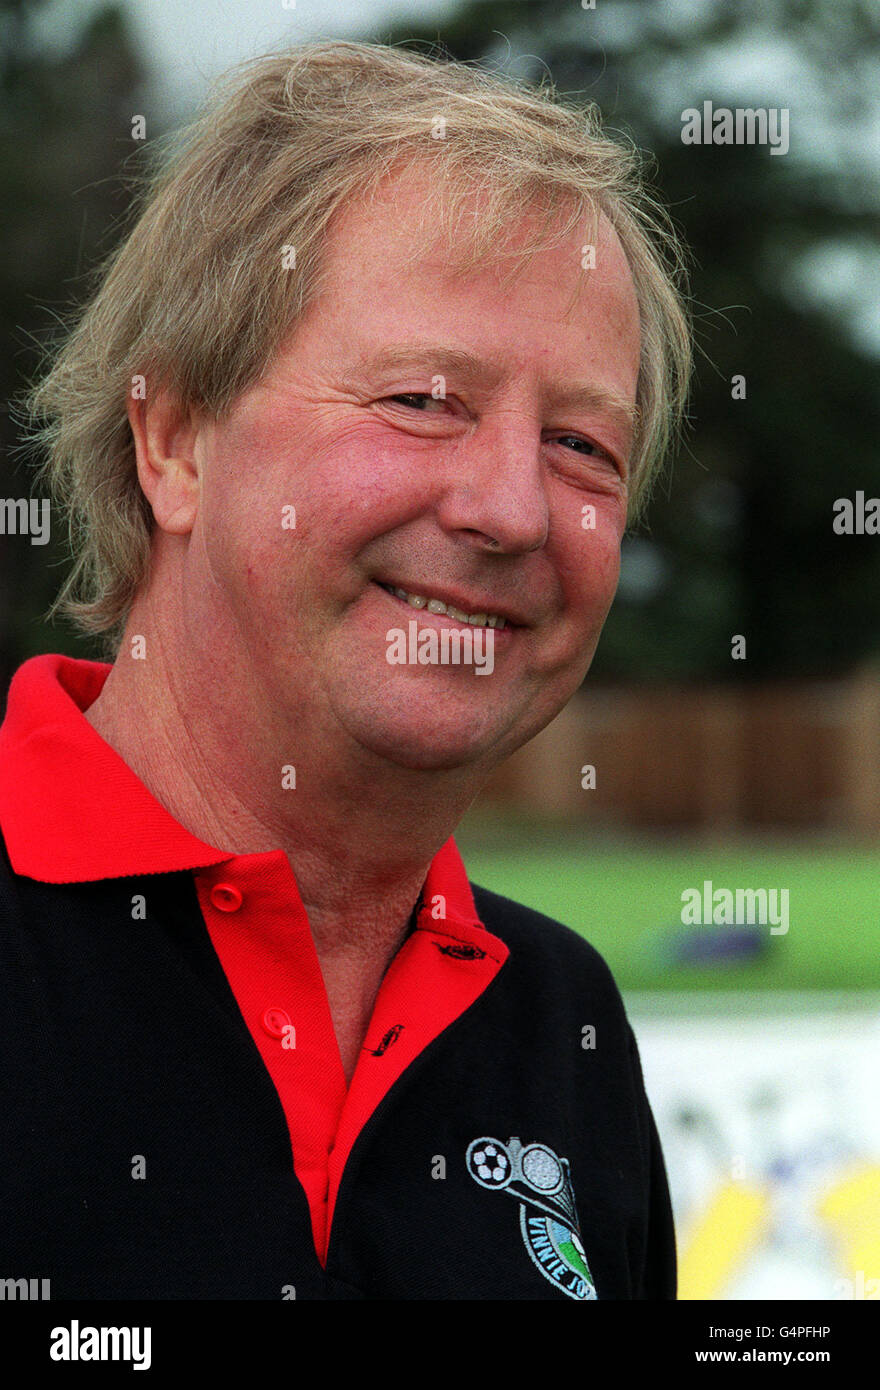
(496, 495)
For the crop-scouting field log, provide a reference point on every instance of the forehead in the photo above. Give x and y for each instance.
(391, 261)
(409, 213)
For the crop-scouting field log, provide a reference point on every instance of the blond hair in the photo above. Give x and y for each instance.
(194, 299)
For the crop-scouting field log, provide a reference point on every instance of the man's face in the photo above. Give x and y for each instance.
(479, 499)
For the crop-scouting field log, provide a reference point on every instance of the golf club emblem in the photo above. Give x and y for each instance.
(541, 1183)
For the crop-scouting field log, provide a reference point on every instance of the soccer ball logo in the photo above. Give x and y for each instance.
(541, 1182)
(489, 1163)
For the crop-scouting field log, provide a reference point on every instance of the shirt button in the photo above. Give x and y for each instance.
(275, 1021)
(226, 897)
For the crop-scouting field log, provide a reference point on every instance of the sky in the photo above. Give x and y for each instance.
(207, 36)
(187, 42)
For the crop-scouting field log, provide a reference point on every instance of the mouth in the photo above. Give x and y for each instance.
(443, 607)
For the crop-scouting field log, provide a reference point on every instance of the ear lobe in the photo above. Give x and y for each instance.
(164, 439)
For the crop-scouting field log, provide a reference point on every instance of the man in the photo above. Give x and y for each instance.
(388, 359)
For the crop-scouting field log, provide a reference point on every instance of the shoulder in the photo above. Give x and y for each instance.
(549, 955)
(527, 931)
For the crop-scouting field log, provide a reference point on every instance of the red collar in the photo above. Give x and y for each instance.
(72, 811)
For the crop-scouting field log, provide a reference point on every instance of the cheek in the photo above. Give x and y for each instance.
(249, 528)
(590, 568)
(347, 478)
(605, 562)
(280, 520)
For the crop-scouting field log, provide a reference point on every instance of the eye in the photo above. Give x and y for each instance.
(409, 397)
(585, 443)
(592, 449)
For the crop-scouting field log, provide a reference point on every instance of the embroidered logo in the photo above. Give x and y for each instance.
(541, 1183)
(390, 1037)
(461, 951)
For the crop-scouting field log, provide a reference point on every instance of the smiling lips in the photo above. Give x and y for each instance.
(436, 605)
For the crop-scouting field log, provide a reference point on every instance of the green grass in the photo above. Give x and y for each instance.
(626, 900)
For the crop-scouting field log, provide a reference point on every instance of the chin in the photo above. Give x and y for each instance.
(424, 749)
(415, 732)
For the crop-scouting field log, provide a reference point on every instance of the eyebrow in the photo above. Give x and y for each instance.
(468, 367)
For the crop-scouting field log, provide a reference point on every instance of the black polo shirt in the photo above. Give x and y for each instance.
(175, 1118)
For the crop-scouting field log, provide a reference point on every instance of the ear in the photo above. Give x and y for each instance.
(165, 448)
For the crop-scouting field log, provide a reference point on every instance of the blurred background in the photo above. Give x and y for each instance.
(729, 732)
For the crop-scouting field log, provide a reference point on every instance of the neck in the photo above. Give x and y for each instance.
(359, 832)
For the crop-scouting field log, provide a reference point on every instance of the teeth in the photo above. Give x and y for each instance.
(435, 605)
